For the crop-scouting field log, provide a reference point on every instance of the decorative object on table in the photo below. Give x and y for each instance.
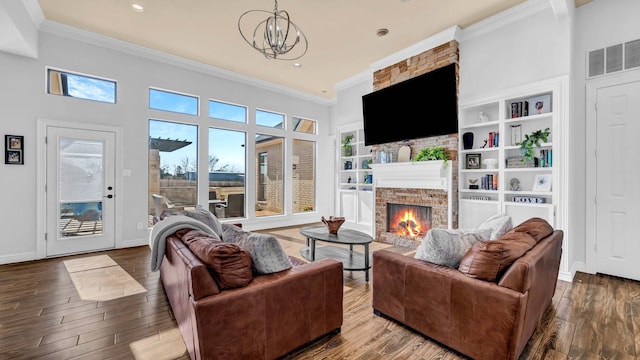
(383, 157)
(432, 153)
(482, 117)
(274, 37)
(368, 178)
(490, 163)
(404, 154)
(472, 161)
(516, 134)
(365, 163)
(347, 148)
(333, 223)
(14, 150)
(542, 182)
(467, 140)
(540, 104)
(473, 184)
(514, 184)
(348, 165)
(531, 140)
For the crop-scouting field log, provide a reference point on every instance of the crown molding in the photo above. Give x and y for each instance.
(504, 18)
(69, 32)
(355, 80)
(34, 10)
(438, 39)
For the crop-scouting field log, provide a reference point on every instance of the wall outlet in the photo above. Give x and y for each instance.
(141, 226)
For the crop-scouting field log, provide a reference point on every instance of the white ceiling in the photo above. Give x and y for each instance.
(342, 33)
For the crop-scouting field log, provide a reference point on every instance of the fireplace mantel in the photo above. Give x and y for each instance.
(413, 175)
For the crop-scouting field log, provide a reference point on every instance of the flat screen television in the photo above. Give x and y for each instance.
(423, 106)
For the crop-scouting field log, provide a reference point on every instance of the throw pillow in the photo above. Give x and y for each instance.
(536, 227)
(486, 260)
(267, 255)
(499, 224)
(205, 216)
(447, 247)
(229, 265)
(233, 234)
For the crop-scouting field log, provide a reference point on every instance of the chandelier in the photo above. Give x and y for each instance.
(276, 36)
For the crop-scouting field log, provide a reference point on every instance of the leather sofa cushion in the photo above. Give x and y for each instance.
(486, 260)
(229, 265)
(536, 227)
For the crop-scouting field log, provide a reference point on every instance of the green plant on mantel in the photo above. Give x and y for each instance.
(531, 140)
(346, 145)
(432, 153)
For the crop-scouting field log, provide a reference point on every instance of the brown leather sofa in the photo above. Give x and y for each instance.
(481, 319)
(270, 317)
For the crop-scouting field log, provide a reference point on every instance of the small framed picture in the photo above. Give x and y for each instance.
(542, 183)
(472, 161)
(540, 104)
(14, 150)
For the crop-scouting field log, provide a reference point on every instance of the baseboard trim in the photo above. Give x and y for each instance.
(565, 276)
(578, 266)
(134, 243)
(14, 258)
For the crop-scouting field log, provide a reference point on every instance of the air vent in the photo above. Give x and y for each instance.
(614, 58)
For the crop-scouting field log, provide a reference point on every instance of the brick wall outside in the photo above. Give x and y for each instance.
(303, 175)
(427, 61)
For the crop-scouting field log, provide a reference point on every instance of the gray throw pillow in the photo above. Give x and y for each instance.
(205, 216)
(447, 247)
(499, 224)
(267, 255)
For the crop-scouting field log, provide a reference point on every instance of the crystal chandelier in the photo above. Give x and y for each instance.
(276, 36)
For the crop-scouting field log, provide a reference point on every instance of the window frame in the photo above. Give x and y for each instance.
(47, 84)
(197, 114)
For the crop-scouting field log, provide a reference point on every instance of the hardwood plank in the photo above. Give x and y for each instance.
(618, 339)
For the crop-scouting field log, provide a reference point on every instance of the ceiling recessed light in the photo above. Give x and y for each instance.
(324, 91)
(382, 32)
(297, 65)
(137, 6)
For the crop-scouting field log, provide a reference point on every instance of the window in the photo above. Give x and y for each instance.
(173, 164)
(227, 168)
(225, 111)
(304, 184)
(81, 86)
(269, 119)
(304, 125)
(174, 102)
(269, 175)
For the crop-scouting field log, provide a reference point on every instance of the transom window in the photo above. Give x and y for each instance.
(304, 125)
(173, 101)
(269, 119)
(226, 111)
(80, 86)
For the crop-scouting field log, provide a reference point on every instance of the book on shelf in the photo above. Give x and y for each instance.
(519, 109)
(494, 139)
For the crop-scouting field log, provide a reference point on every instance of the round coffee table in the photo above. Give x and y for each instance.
(351, 260)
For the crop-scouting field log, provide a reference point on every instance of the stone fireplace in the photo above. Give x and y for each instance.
(422, 188)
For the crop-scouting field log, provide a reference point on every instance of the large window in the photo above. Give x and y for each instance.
(226, 111)
(80, 86)
(227, 168)
(269, 119)
(172, 101)
(304, 184)
(269, 175)
(173, 166)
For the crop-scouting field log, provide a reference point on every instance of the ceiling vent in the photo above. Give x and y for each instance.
(613, 58)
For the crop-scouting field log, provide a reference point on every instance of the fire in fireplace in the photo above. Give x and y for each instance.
(408, 220)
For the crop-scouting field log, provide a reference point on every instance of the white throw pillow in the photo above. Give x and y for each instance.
(447, 247)
(499, 224)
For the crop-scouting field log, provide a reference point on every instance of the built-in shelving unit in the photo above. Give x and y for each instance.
(514, 185)
(355, 191)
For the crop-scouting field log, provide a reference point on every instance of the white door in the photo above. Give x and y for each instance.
(79, 190)
(617, 189)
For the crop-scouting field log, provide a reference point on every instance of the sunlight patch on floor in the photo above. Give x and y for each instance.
(166, 344)
(99, 278)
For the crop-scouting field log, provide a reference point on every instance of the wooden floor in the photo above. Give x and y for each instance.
(42, 316)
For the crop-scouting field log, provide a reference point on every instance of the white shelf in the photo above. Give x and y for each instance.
(481, 150)
(529, 169)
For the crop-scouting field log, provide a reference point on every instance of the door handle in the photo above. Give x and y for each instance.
(109, 196)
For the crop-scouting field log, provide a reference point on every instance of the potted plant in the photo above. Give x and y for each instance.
(432, 153)
(526, 147)
(347, 149)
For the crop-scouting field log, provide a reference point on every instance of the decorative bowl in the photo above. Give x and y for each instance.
(333, 223)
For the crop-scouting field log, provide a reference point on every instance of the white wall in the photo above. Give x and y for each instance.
(23, 100)
(597, 24)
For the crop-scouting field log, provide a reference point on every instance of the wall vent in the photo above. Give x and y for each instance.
(613, 58)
